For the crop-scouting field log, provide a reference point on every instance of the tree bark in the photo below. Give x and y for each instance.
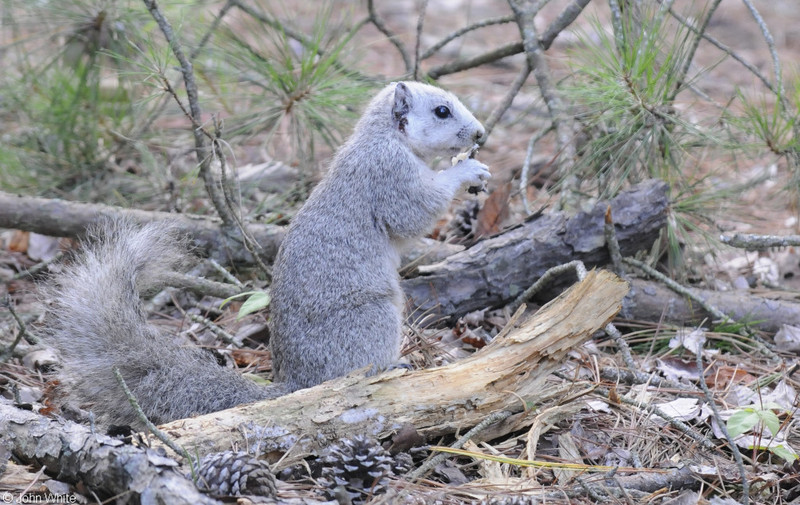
(511, 369)
(652, 301)
(106, 465)
(61, 218)
(495, 271)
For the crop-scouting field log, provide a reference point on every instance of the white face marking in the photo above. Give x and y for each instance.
(434, 121)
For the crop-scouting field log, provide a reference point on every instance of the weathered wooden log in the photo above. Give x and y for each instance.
(512, 368)
(106, 465)
(652, 301)
(61, 218)
(494, 271)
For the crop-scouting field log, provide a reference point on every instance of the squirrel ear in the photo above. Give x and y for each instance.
(402, 102)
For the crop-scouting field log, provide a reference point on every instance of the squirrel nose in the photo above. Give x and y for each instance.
(479, 133)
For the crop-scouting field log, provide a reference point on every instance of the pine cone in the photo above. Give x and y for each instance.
(402, 463)
(359, 465)
(232, 473)
(463, 222)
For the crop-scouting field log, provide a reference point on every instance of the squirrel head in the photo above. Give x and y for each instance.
(432, 121)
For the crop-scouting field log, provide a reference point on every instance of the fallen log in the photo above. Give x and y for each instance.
(107, 465)
(652, 301)
(494, 271)
(505, 375)
(62, 218)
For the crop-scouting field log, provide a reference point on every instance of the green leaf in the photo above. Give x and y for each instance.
(783, 452)
(770, 420)
(741, 422)
(234, 297)
(258, 301)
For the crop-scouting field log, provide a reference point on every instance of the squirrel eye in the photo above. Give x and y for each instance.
(442, 112)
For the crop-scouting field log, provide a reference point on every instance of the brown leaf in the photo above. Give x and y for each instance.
(725, 376)
(493, 212)
(19, 241)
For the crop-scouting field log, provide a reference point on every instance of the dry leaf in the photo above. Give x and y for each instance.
(493, 212)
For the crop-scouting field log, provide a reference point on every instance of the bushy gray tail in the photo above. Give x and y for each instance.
(97, 322)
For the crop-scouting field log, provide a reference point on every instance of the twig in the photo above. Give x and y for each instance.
(232, 201)
(765, 346)
(35, 269)
(616, 260)
(611, 243)
(567, 16)
(565, 128)
(201, 286)
(724, 428)
(215, 329)
(616, 23)
(9, 351)
(687, 62)
(751, 242)
(150, 426)
(462, 31)
(156, 111)
(560, 23)
(776, 62)
(625, 350)
(724, 48)
(526, 165)
(420, 22)
(651, 409)
(631, 377)
(503, 106)
(201, 148)
(681, 290)
(380, 24)
(223, 272)
(458, 444)
(476, 61)
(23, 329)
(577, 265)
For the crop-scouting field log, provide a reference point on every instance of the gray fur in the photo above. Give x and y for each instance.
(96, 321)
(336, 300)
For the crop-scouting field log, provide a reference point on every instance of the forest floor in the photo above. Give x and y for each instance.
(598, 431)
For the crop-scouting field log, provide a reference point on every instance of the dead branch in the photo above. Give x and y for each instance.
(567, 16)
(107, 465)
(752, 242)
(525, 14)
(202, 151)
(380, 24)
(650, 301)
(496, 270)
(436, 401)
(462, 31)
(61, 218)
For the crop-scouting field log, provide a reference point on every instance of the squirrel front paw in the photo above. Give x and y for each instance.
(471, 173)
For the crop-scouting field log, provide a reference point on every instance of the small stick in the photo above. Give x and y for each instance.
(724, 427)
(215, 329)
(150, 426)
(458, 444)
(752, 242)
(577, 265)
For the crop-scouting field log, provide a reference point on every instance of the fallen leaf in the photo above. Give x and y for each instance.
(692, 341)
(493, 212)
(788, 338)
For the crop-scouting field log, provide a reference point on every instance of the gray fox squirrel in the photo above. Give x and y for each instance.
(336, 302)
